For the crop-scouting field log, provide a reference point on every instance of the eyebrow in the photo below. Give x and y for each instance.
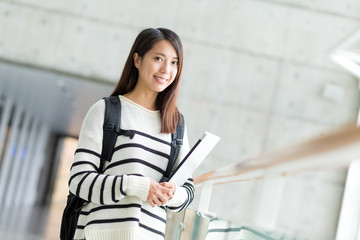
(161, 54)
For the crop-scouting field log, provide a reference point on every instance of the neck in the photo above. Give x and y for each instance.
(147, 100)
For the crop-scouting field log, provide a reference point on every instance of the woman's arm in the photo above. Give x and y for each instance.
(85, 181)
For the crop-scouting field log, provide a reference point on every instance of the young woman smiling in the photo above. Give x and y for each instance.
(127, 201)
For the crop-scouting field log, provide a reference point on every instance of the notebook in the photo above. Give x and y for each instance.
(194, 158)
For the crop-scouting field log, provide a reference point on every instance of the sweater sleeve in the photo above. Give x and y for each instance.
(184, 194)
(85, 180)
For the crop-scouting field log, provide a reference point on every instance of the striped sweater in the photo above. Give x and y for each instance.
(117, 207)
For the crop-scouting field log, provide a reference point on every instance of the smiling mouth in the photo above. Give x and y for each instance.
(160, 79)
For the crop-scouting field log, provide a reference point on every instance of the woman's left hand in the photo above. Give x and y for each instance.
(171, 186)
(159, 193)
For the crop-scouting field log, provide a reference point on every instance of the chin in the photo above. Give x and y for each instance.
(159, 90)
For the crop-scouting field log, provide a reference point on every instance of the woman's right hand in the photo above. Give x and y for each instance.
(158, 194)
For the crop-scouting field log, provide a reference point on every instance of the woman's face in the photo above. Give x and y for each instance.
(157, 68)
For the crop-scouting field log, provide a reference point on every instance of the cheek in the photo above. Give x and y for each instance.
(148, 68)
(173, 73)
(172, 80)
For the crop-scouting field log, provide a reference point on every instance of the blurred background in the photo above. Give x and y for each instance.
(261, 74)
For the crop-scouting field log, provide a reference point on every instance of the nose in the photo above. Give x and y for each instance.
(165, 67)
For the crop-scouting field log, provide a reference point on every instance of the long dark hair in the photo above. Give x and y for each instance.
(166, 100)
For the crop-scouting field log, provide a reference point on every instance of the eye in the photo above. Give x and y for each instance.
(158, 58)
(175, 62)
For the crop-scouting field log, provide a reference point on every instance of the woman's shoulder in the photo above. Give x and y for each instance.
(96, 110)
(98, 105)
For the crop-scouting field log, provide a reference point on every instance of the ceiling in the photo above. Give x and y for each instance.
(59, 100)
(263, 64)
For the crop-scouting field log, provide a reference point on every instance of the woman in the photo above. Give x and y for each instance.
(127, 201)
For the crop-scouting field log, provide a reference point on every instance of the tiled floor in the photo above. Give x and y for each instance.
(21, 236)
(38, 223)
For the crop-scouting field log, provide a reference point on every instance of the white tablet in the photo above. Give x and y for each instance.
(194, 158)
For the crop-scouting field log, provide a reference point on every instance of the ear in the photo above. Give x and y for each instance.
(137, 60)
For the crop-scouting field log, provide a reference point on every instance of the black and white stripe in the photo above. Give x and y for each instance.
(117, 196)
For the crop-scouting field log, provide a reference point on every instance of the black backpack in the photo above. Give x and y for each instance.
(111, 129)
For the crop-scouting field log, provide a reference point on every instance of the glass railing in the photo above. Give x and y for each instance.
(191, 225)
(209, 217)
(220, 229)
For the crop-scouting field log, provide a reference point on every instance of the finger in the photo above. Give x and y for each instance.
(170, 185)
(166, 189)
(151, 203)
(154, 201)
(163, 189)
(161, 202)
(163, 193)
(158, 199)
(165, 184)
(157, 202)
(173, 185)
(163, 197)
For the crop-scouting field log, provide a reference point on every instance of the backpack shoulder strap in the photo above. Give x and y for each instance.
(176, 143)
(111, 128)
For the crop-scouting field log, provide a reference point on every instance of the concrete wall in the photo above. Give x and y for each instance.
(255, 74)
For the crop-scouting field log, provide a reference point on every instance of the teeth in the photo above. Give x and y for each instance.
(161, 79)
